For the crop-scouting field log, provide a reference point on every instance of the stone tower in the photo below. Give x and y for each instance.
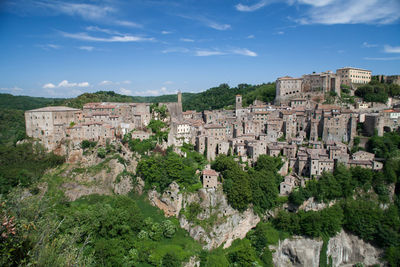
(179, 96)
(238, 102)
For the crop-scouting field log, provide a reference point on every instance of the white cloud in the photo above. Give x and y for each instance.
(218, 26)
(124, 91)
(251, 36)
(126, 82)
(391, 49)
(49, 46)
(128, 24)
(162, 91)
(244, 52)
(86, 11)
(13, 90)
(65, 84)
(187, 40)
(175, 50)
(49, 85)
(166, 32)
(338, 11)
(206, 53)
(124, 38)
(356, 12)
(382, 58)
(105, 82)
(280, 33)
(367, 45)
(87, 48)
(254, 7)
(208, 22)
(168, 82)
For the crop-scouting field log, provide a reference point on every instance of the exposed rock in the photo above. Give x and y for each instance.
(193, 262)
(347, 249)
(170, 201)
(99, 182)
(311, 204)
(124, 186)
(75, 191)
(344, 249)
(297, 251)
(139, 186)
(221, 224)
(75, 156)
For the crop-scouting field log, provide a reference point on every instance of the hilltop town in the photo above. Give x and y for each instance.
(310, 135)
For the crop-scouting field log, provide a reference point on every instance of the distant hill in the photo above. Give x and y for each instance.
(12, 122)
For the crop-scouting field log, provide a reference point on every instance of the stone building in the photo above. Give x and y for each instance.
(48, 123)
(210, 179)
(321, 82)
(288, 88)
(349, 76)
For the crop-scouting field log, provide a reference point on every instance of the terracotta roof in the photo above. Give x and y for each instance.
(210, 172)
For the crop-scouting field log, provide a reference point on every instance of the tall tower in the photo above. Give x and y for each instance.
(179, 96)
(238, 102)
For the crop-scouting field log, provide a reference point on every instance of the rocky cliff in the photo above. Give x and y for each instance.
(344, 249)
(217, 223)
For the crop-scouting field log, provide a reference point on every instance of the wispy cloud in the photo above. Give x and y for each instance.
(65, 84)
(251, 36)
(333, 12)
(162, 91)
(124, 91)
(187, 40)
(13, 90)
(175, 50)
(107, 82)
(165, 32)
(217, 52)
(368, 45)
(244, 52)
(83, 36)
(127, 23)
(207, 53)
(254, 7)
(382, 58)
(208, 22)
(86, 11)
(87, 48)
(356, 12)
(49, 46)
(391, 49)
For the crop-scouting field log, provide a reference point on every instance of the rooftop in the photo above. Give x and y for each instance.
(54, 109)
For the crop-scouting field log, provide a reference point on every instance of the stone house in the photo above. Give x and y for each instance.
(210, 179)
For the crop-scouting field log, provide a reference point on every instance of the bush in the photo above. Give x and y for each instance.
(101, 152)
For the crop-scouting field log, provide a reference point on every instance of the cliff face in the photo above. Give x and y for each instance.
(216, 224)
(344, 249)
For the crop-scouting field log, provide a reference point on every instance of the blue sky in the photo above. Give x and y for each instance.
(58, 48)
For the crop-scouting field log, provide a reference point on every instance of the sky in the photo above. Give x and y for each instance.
(59, 48)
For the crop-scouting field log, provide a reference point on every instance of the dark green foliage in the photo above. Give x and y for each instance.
(101, 152)
(8, 101)
(243, 254)
(170, 260)
(158, 129)
(24, 164)
(383, 146)
(12, 126)
(85, 144)
(392, 256)
(258, 186)
(372, 93)
(371, 223)
(159, 171)
(327, 222)
(224, 96)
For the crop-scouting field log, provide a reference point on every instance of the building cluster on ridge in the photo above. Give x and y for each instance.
(311, 137)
